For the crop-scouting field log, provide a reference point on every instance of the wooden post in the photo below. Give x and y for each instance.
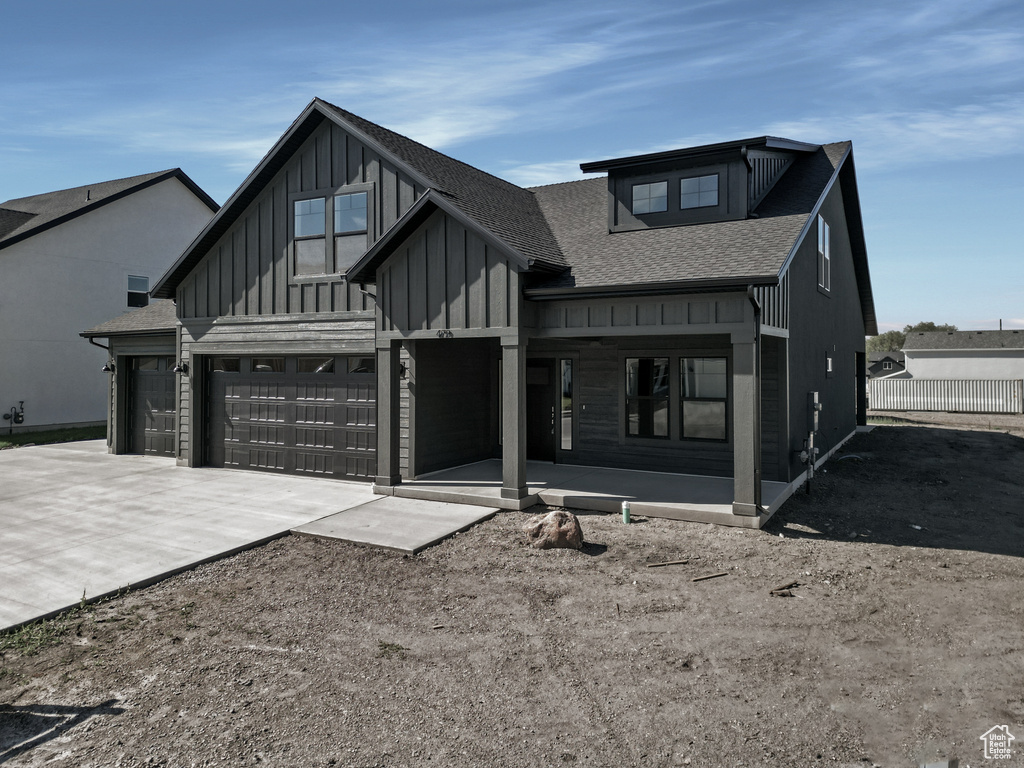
(746, 429)
(513, 419)
(388, 403)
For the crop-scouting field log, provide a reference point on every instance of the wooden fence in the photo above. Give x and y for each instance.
(963, 396)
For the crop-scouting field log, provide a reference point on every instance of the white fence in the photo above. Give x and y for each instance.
(963, 396)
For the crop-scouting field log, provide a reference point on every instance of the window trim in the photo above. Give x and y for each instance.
(329, 237)
(632, 197)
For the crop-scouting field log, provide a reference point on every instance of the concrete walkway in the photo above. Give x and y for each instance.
(75, 520)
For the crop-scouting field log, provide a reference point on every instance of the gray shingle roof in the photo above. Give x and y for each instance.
(26, 216)
(755, 247)
(156, 318)
(506, 210)
(958, 340)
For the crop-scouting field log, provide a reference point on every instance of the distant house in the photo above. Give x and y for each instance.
(985, 355)
(69, 260)
(365, 307)
(882, 364)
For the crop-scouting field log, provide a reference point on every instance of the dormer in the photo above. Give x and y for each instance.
(700, 185)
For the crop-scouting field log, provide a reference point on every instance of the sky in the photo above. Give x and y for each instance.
(931, 92)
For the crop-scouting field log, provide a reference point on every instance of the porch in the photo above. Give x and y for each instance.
(694, 498)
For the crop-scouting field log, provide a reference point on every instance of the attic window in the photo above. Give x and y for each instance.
(650, 198)
(698, 191)
(138, 291)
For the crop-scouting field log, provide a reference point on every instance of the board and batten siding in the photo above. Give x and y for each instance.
(446, 278)
(247, 272)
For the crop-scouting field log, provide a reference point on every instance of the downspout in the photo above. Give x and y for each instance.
(752, 297)
(97, 344)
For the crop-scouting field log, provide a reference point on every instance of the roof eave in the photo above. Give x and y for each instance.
(769, 142)
(708, 285)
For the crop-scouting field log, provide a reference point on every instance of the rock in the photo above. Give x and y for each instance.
(557, 529)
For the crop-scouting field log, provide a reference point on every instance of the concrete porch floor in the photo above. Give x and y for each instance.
(694, 498)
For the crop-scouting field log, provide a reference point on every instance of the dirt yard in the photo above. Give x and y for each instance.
(903, 640)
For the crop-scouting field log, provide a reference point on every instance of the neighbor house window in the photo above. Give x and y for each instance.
(886, 366)
(824, 254)
(704, 388)
(138, 291)
(650, 198)
(698, 191)
(647, 396)
(330, 231)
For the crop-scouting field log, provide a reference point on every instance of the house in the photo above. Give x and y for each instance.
(882, 364)
(69, 260)
(983, 355)
(365, 307)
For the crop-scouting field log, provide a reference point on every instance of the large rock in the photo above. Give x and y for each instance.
(555, 529)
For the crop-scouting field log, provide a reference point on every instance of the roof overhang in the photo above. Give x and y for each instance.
(651, 289)
(761, 142)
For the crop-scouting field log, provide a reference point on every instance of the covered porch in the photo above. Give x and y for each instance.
(694, 498)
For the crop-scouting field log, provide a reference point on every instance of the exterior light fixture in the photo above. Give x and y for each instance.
(180, 367)
(109, 367)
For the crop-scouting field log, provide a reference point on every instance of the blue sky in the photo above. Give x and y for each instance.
(931, 93)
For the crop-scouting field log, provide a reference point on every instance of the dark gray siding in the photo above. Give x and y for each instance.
(824, 325)
(445, 277)
(599, 405)
(248, 273)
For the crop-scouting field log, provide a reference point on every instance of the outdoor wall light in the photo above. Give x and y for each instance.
(108, 367)
(180, 368)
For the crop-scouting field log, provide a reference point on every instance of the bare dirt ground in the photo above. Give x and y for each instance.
(904, 640)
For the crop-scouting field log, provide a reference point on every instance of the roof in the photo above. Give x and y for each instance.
(877, 357)
(767, 142)
(963, 340)
(743, 251)
(28, 216)
(157, 318)
(509, 212)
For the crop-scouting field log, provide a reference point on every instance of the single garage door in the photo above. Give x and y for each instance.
(151, 405)
(307, 415)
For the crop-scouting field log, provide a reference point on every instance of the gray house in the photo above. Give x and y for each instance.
(367, 308)
(985, 355)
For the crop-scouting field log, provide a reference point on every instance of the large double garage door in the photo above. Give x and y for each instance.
(306, 415)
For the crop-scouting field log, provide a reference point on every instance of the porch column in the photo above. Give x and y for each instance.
(388, 389)
(746, 420)
(862, 389)
(513, 419)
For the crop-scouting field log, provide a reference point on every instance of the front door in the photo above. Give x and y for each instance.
(540, 409)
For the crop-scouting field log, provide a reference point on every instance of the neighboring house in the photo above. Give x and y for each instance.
(365, 307)
(984, 355)
(883, 364)
(69, 260)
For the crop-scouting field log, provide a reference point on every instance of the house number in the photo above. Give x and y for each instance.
(445, 334)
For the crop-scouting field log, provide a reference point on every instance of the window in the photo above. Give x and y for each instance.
(647, 396)
(566, 401)
(138, 291)
(824, 255)
(887, 366)
(362, 365)
(314, 365)
(704, 388)
(268, 365)
(698, 191)
(225, 364)
(330, 231)
(650, 198)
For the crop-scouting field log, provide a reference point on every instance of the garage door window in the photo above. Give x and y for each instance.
(225, 364)
(268, 365)
(315, 365)
(362, 365)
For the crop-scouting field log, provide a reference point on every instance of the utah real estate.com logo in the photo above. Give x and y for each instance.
(997, 742)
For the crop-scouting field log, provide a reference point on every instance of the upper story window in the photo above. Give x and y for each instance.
(329, 230)
(698, 191)
(138, 291)
(824, 255)
(650, 198)
(887, 366)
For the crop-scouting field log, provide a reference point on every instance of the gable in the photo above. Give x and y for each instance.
(250, 268)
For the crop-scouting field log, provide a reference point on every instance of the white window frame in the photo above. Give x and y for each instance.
(824, 254)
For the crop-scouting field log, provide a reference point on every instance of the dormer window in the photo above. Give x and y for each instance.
(650, 198)
(698, 191)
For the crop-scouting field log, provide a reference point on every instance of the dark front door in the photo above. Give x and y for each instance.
(541, 390)
(308, 415)
(151, 405)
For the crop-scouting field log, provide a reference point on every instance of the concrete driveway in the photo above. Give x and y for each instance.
(76, 521)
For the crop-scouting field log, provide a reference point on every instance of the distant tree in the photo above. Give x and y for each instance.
(893, 341)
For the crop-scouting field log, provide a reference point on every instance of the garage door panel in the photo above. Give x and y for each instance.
(309, 416)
